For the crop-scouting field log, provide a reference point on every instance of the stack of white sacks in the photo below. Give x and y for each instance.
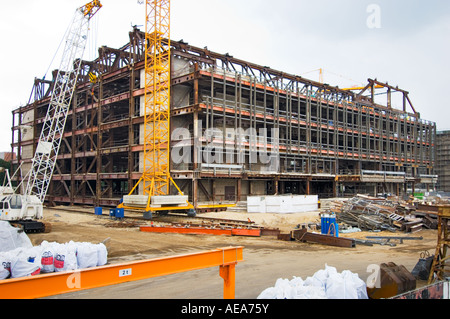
(324, 284)
(51, 257)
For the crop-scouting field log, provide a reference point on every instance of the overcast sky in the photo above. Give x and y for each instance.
(405, 43)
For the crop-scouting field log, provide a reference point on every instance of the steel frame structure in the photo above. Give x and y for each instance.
(443, 160)
(328, 136)
(331, 134)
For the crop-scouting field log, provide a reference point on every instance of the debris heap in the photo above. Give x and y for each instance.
(378, 214)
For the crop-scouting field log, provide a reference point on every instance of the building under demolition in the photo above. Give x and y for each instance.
(442, 164)
(238, 129)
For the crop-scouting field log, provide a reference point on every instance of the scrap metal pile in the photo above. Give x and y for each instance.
(378, 214)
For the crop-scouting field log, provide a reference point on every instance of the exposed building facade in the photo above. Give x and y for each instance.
(238, 129)
(443, 160)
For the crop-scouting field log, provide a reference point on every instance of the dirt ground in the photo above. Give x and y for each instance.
(265, 258)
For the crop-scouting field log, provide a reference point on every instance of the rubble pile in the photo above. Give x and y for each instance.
(379, 214)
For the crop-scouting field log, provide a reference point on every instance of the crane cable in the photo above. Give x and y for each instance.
(91, 51)
(56, 52)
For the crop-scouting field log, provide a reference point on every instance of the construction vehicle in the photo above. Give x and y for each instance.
(21, 210)
(24, 204)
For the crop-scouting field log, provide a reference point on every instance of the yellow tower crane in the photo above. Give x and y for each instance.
(156, 180)
(156, 176)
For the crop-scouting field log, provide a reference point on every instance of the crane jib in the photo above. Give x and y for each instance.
(39, 176)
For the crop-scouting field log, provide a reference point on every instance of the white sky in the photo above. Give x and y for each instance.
(411, 49)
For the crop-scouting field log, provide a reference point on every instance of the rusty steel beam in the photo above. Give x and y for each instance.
(394, 280)
(303, 235)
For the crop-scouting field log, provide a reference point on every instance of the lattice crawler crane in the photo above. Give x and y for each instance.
(26, 207)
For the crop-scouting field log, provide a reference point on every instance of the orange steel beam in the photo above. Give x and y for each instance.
(71, 281)
(202, 231)
(186, 230)
(246, 232)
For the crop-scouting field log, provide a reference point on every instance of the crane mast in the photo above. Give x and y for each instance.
(156, 176)
(43, 163)
(156, 179)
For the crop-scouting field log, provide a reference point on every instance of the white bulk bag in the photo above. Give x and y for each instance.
(102, 254)
(283, 289)
(12, 237)
(324, 284)
(48, 256)
(339, 288)
(269, 293)
(87, 255)
(26, 263)
(65, 257)
(294, 289)
(5, 265)
(358, 284)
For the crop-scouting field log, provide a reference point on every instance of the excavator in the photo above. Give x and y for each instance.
(23, 205)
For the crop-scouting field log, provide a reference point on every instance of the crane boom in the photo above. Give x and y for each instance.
(43, 163)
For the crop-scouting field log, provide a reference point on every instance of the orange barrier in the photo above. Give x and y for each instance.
(70, 281)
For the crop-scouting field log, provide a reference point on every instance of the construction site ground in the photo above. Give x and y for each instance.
(265, 258)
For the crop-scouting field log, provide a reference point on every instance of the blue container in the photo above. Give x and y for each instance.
(98, 211)
(334, 229)
(120, 213)
(324, 223)
(112, 212)
(328, 225)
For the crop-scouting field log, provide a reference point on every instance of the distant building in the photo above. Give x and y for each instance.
(7, 156)
(443, 160)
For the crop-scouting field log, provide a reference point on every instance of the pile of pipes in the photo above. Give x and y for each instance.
(378, 214)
